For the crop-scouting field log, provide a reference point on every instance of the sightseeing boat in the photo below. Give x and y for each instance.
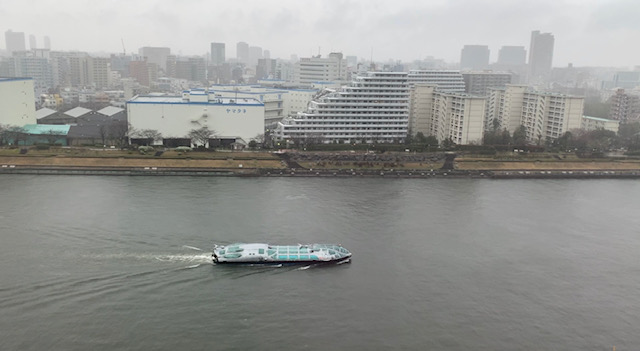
(257, 253)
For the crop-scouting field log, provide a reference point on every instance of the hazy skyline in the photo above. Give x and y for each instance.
(587, 32)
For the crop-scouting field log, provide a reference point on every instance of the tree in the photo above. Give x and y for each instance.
(15, 134)
(119, 133)
(431, 140)
(253, 144)
(448, 143)
(150, 135)
(201, 136)
(52, 136)
(520, 135)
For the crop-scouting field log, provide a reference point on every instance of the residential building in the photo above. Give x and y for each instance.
(478, 83)
(624, 107)
(474, 57)
(445, 80)
(373, 108)
(17, 101)
(451, 116)
(175, 116)
(319, 69)
(545, 115)
(593, 123)
(540, 56)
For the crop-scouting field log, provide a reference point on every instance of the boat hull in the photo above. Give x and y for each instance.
(282, 263)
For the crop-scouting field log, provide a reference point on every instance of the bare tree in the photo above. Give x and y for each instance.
(201, 135)
(118, 133)
(53, 135)
(15, 134)
(151, 135)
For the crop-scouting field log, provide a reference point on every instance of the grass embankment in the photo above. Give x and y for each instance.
(109, 158)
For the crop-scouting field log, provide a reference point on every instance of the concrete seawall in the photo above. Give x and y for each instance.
(344, 173)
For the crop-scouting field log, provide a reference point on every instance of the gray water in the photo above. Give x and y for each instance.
(104, 263)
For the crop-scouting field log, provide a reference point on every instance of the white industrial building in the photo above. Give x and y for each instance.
(175, 116)
(545, 115)
(17, 101)
(374, 108)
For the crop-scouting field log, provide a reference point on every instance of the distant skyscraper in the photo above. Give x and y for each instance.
(156, 55)
(512, 55)
(218, 55)
(242, 52)
(47, 42)
(266, 54)
(14, 41)
(540, 55)
(32, 42)
(255, 53)
(474, 57)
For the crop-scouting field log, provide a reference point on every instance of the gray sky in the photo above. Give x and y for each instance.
(587, 32)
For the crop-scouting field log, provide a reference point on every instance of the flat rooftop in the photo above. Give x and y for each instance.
(179, 100)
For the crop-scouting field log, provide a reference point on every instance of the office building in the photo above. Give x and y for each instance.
(540, 56)
(474, 57)
(14, 41)
(242, 52)
(512, 56)
(320, 69)
(156, 55)
(218, 55)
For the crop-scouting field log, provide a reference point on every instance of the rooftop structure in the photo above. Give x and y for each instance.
(445, 80)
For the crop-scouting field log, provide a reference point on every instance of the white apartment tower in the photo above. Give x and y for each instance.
(374, 108)
(317, 69)
(445, 115)
(545, 115)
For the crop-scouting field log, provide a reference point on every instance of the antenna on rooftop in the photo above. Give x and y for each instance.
(124, 52)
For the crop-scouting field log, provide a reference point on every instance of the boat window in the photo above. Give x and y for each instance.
(332, 252)
(221, 252)
(304, 257)
(314, 257)
(261, 251)
(271, 252)
(283, 257)
(304, 249)
(293, 257)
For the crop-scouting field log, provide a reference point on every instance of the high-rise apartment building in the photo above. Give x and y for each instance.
(451, 116)
(218, 55)
(624, 107)
(445, 80)
(546, 116)
(478, 83)
(540, 56)
(320, 69)
(14, 41)
(373, 108)
(474, 57)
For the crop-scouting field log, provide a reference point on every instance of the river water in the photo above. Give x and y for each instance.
(104, 263)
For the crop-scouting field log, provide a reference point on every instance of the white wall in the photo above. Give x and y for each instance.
(176, 120)
(17, 102)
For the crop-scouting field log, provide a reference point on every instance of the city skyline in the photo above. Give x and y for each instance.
(588, 33)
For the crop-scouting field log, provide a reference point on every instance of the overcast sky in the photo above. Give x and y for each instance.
(587, 32)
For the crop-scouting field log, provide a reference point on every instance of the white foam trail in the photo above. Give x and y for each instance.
(194, 266)
(303, 268)
(191, 247)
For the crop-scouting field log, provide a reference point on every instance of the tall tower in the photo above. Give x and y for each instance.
(242, 52)
(14, 41)
(540, 55)
(47, 42)
(32, 42)
(218, 55)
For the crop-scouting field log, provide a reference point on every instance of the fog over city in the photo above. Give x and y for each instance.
(587, 32)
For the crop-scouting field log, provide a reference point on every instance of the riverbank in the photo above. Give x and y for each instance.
(301, 164)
